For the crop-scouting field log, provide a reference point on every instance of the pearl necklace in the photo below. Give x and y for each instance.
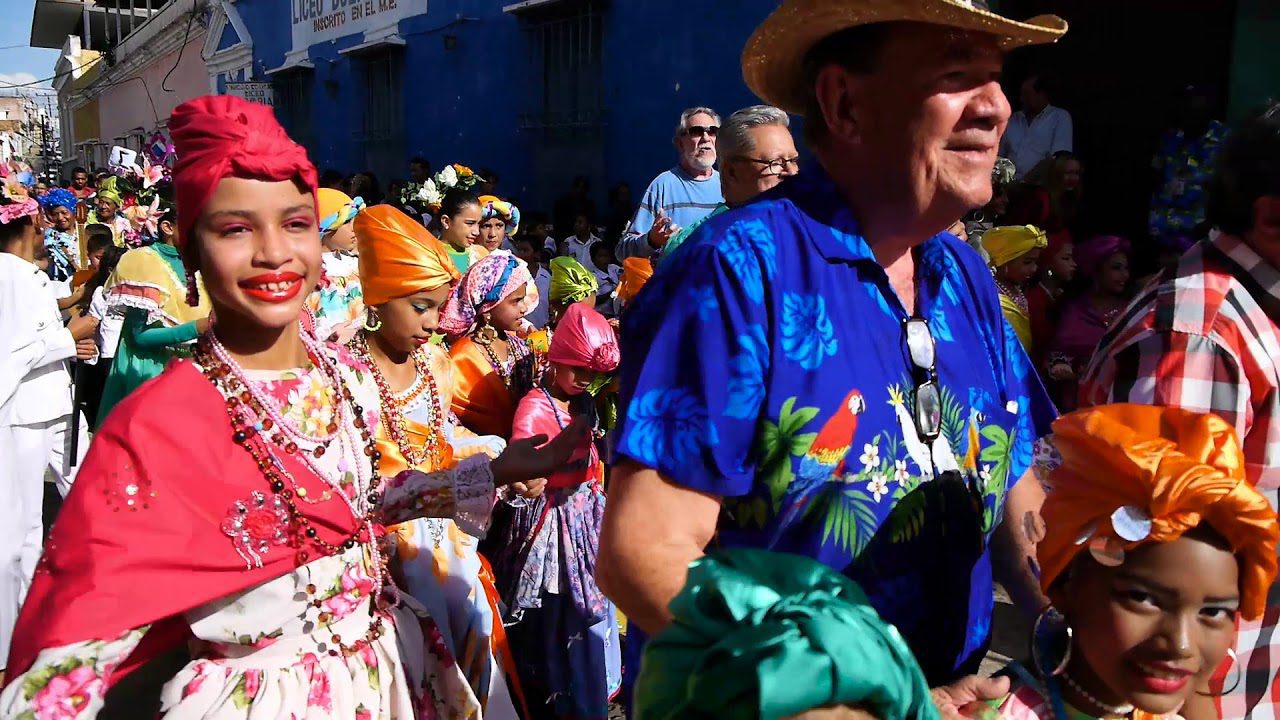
(1110, 709)
(244, 401)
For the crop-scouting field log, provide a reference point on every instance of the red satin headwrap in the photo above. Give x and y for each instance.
(220, 136)
(584, 339)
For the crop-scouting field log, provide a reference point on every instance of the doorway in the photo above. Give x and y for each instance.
(1119, 72)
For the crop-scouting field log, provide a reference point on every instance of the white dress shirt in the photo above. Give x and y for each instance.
(35, 376)
(1028, 143)
(579, 250)
(109, 324)
(540, 314)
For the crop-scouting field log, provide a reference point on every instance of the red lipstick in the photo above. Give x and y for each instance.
(1161, 678)
(276, 287)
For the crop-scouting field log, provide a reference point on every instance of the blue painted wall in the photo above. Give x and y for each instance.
(462, 104)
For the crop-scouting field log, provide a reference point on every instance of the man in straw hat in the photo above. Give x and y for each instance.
(826, 372)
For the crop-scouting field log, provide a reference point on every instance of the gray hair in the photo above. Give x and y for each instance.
(735, 136)
(689, 113)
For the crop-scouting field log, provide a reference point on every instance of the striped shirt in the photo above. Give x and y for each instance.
(684, 199)
(1204, 337)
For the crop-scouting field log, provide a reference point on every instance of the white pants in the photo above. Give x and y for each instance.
(26, 451)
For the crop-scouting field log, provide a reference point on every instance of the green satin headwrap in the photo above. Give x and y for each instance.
(570, 282)
(769, 635)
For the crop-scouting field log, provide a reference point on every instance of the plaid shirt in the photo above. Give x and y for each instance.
(1204, 337)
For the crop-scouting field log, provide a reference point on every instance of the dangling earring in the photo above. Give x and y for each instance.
(372, 322)
(1050, 625)
(193, 290)
(1235, 662)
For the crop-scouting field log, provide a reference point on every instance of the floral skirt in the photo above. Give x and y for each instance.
(406, 674)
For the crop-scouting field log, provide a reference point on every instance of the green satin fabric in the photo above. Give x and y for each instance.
(769, 635)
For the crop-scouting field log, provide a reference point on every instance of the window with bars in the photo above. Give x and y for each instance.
(292, 92)
(565, 40)
(381, 135)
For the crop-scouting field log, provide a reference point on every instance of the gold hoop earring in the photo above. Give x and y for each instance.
(1235, 662)
(372, 322)
(1048, 626)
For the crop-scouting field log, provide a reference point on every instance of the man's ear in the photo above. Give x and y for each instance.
(839, 94)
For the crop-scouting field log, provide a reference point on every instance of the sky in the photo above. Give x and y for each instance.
(22, 64)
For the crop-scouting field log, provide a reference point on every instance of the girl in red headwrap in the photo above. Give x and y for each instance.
(565, 632)
(236, 498)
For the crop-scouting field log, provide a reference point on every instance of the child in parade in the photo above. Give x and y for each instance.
(459, 219)
(97, 238)
(608, 274)
(237, 500)
(1155, 544)
(499, 223)
(60, 237)
(1013, 253)
(494, 366)
(565, 631)
(336, 302)
(152, 289)
(35, 400)
(94, 304)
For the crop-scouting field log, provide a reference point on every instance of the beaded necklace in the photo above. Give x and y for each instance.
(1015, 294)
(430, 455)
(252, 421)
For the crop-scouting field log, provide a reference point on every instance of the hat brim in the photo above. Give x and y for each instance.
(773, 60)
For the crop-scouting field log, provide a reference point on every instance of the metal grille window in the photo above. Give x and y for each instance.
(382, 133)
(565, 41)
(293, 105)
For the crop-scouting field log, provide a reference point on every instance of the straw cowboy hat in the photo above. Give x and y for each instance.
(773, 61)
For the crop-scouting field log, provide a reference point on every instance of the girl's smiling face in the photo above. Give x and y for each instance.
(1151, 630)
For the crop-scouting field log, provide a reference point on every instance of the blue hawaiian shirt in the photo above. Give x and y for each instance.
(772, 358)
(1186, 166)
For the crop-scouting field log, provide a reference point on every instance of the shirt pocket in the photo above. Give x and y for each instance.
(996, 431)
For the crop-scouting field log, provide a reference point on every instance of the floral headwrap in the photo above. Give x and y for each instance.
(1136, 474)
(17, 210)
(570, 282)
(483, 287)
(494, 207)
(585, 339)
(59, 197)
(766, 635)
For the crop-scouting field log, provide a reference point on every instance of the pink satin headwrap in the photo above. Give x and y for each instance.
(585, 339)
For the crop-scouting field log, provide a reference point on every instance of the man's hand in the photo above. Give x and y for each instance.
(662, 230)
(82, 327)
(530, 489)
(951, 699)
(86, 349)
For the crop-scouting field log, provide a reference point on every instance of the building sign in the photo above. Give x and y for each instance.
(258, 92)
(317, 21)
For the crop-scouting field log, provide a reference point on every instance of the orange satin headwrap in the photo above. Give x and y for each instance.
(1127, 466)
(635, 273)
(220, 136)
(398, 257)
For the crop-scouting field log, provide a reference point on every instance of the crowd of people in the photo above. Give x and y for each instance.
(325, 452)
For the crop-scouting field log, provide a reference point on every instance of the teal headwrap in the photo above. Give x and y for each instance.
(769, 635)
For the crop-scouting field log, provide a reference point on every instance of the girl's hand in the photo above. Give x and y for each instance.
(1061, 371)
(531, 489)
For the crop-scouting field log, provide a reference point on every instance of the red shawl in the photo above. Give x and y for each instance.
(111, 566)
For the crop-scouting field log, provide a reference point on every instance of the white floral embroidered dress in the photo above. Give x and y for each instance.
(263, 653)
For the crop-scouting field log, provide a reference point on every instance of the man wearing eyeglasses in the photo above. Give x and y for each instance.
(681, 196)
(756, 153)
(825, 371)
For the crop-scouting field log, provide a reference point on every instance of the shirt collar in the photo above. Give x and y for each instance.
(840, 239)
(1262, 278)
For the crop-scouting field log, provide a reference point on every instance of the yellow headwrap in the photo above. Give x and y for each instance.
(635, 273)
(1134, 474)
(1005, 244)
(335, 208)
(398, 257)
(570, 282)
